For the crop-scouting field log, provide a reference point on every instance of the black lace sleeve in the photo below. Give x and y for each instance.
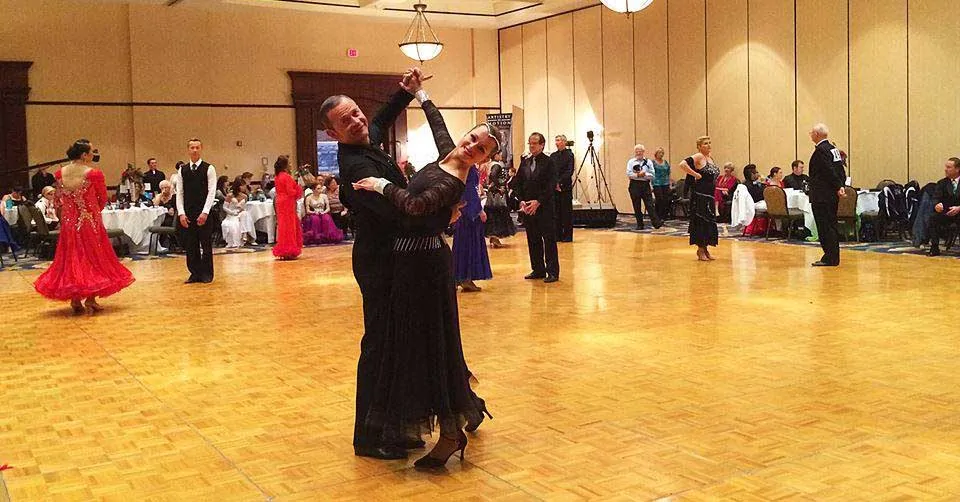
(441, 136)
(440, 195)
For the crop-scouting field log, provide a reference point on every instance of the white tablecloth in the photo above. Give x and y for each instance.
(134, 223)
(742, 214)
(265, 217)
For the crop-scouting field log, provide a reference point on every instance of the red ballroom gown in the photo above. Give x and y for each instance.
(84, 264)
(289, 234)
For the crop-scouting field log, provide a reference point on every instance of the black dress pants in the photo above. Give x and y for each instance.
(825, 214)
(197, 242)
(373, 273)
(563, 201)
(938, 221)
(640, 191)
(542, 241)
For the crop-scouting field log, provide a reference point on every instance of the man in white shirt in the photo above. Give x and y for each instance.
(197, 188)
(640, 171)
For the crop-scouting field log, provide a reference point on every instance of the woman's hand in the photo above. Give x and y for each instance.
(483, 216)
(368, 184)
(697, 176)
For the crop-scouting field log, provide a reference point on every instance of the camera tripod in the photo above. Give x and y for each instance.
(598, 176)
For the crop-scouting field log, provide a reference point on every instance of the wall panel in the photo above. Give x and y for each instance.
(688, 98)
(651, 89)
(878, 95)
(934, 93)
(511, 68)
(727, 97)
(588, 87)
(535, 78)
(618, 102)
(772, 84)
(821, 72)
(560, 77)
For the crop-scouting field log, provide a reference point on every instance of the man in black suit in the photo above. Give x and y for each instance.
(946, 201)
(827, 178)
(153, 177)
(40, 180)
(535, 184)
(195, 196)
(796, 179)
(563, 160)
(376, 222)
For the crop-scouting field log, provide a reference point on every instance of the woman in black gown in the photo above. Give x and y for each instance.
(703, 214)
(424, 378)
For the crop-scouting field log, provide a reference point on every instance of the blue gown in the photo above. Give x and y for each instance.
(470, 259)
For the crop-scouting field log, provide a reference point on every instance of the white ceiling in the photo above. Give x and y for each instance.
(461, 13)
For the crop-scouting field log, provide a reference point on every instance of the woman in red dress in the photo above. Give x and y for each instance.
(289, 234)
(84, 265)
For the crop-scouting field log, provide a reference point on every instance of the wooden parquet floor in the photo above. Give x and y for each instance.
(642, 375)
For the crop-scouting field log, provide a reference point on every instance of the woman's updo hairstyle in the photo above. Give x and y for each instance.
(281, 165)
(79, 147)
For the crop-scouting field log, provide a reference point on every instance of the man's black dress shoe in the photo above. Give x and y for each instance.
(191, 280)
(380, 452)
(551, 278)
(824, 264)
(534, 275)
(206, 280)
(412, 444)
(934, 252)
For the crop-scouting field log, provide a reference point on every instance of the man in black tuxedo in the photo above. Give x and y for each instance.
(195, 197)
(946, 201)
(153, 177)
(563, 160)
(376, 222)
(827, 178)
(535, 184)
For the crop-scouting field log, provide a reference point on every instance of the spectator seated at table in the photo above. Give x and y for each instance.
(751, 178)
(946, 200)
(48, 208)
(223, 188)
(14, 198)
(237, 225)
(776, 177)
(723, 191)
(167, 199)
(318, 225)
(341, 215)
(797, 180)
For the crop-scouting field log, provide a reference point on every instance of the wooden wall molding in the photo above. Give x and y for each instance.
(14, 92)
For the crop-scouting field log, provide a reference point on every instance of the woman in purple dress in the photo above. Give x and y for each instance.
(470, 259)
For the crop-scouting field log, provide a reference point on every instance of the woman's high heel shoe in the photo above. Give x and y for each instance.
(94, 307)
(472, 426)
(77, 307)
(702, 256)
(431, 462)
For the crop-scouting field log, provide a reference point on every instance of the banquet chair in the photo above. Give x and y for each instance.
(847, 211)
(45, 237)
(156, 231)
(777, 210)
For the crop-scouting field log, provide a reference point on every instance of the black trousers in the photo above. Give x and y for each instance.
(937, 222)
(662, 194)
(825, 214)
(373, 273)
(542, 241)
(197, 242)
(563, 202)
(640, 191)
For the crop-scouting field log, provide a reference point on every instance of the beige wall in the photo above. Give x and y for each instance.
(755, 75)
(226, 54)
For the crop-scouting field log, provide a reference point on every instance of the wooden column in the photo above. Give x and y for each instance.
(14, 90)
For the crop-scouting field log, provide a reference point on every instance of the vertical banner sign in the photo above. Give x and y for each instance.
(504, 122)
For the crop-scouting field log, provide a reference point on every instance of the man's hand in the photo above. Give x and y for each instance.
(184, 222)
(455, 212)
(532, 207)
(202, 219)
(483, 216)
(955, 210)
(841, 192)
(938, 208)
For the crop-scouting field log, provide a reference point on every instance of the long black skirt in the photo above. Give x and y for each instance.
(423, 379)
(703, 220)
(499, 221)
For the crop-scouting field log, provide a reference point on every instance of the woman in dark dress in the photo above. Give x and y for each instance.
(424, 378)
(703, 217)
(499, 221)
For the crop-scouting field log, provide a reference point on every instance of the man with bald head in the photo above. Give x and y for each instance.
(827, 178)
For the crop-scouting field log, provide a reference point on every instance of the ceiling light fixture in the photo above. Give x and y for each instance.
(420, 42)
(627, 6)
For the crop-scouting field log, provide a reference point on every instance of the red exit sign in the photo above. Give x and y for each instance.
(353, 53)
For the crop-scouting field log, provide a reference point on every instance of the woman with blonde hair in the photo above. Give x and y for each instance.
(703, 205)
